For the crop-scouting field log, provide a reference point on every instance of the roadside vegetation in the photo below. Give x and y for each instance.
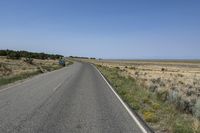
(70, 62)
(14, 68)
(11, 79)
(162, 116)
(177, 82)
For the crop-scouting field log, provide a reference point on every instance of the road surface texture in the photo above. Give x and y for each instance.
(75, 99)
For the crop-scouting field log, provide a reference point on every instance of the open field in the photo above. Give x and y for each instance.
(173, 87)
(16, 69)
(175, 80)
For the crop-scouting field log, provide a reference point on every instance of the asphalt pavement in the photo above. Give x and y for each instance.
(74, 99)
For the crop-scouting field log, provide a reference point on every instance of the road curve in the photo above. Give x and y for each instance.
(75, 99)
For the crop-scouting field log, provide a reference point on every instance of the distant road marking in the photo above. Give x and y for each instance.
(125, 106)
(57, 86)
(60, 84)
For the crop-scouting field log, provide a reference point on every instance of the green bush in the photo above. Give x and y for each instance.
(150, 117)
(133, 68)
(13, 55)
(156, 106)
(28, 60)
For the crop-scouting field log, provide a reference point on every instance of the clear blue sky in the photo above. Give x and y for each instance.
(103, 28)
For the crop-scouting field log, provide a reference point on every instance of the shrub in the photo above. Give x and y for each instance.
(3, 53)
(28, 60)
(13, 55)
(117, 67)
(132, 68)
(181, 82)
(156, 106)
(153, 87)
(180, 75)
(156, 81)
(197, 109)
(162, 94)
(99, 65)
(163, 69)
(183, 104)
(174, 96)
(137, 73)
(150, 117)
(147, 101)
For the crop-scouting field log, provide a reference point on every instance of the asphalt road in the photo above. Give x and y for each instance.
(75, 99)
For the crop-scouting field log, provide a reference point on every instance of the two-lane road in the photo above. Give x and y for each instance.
(75, 99)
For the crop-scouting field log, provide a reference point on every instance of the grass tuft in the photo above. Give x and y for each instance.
(150, 117)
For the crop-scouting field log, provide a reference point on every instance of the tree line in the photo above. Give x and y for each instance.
(82, 57)
(12, 54)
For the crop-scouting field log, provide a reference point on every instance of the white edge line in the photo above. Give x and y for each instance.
(59, 85)
(125, 106)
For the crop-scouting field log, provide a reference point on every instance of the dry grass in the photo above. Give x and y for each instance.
(12, 70)
(161, 116)
(175, 81)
